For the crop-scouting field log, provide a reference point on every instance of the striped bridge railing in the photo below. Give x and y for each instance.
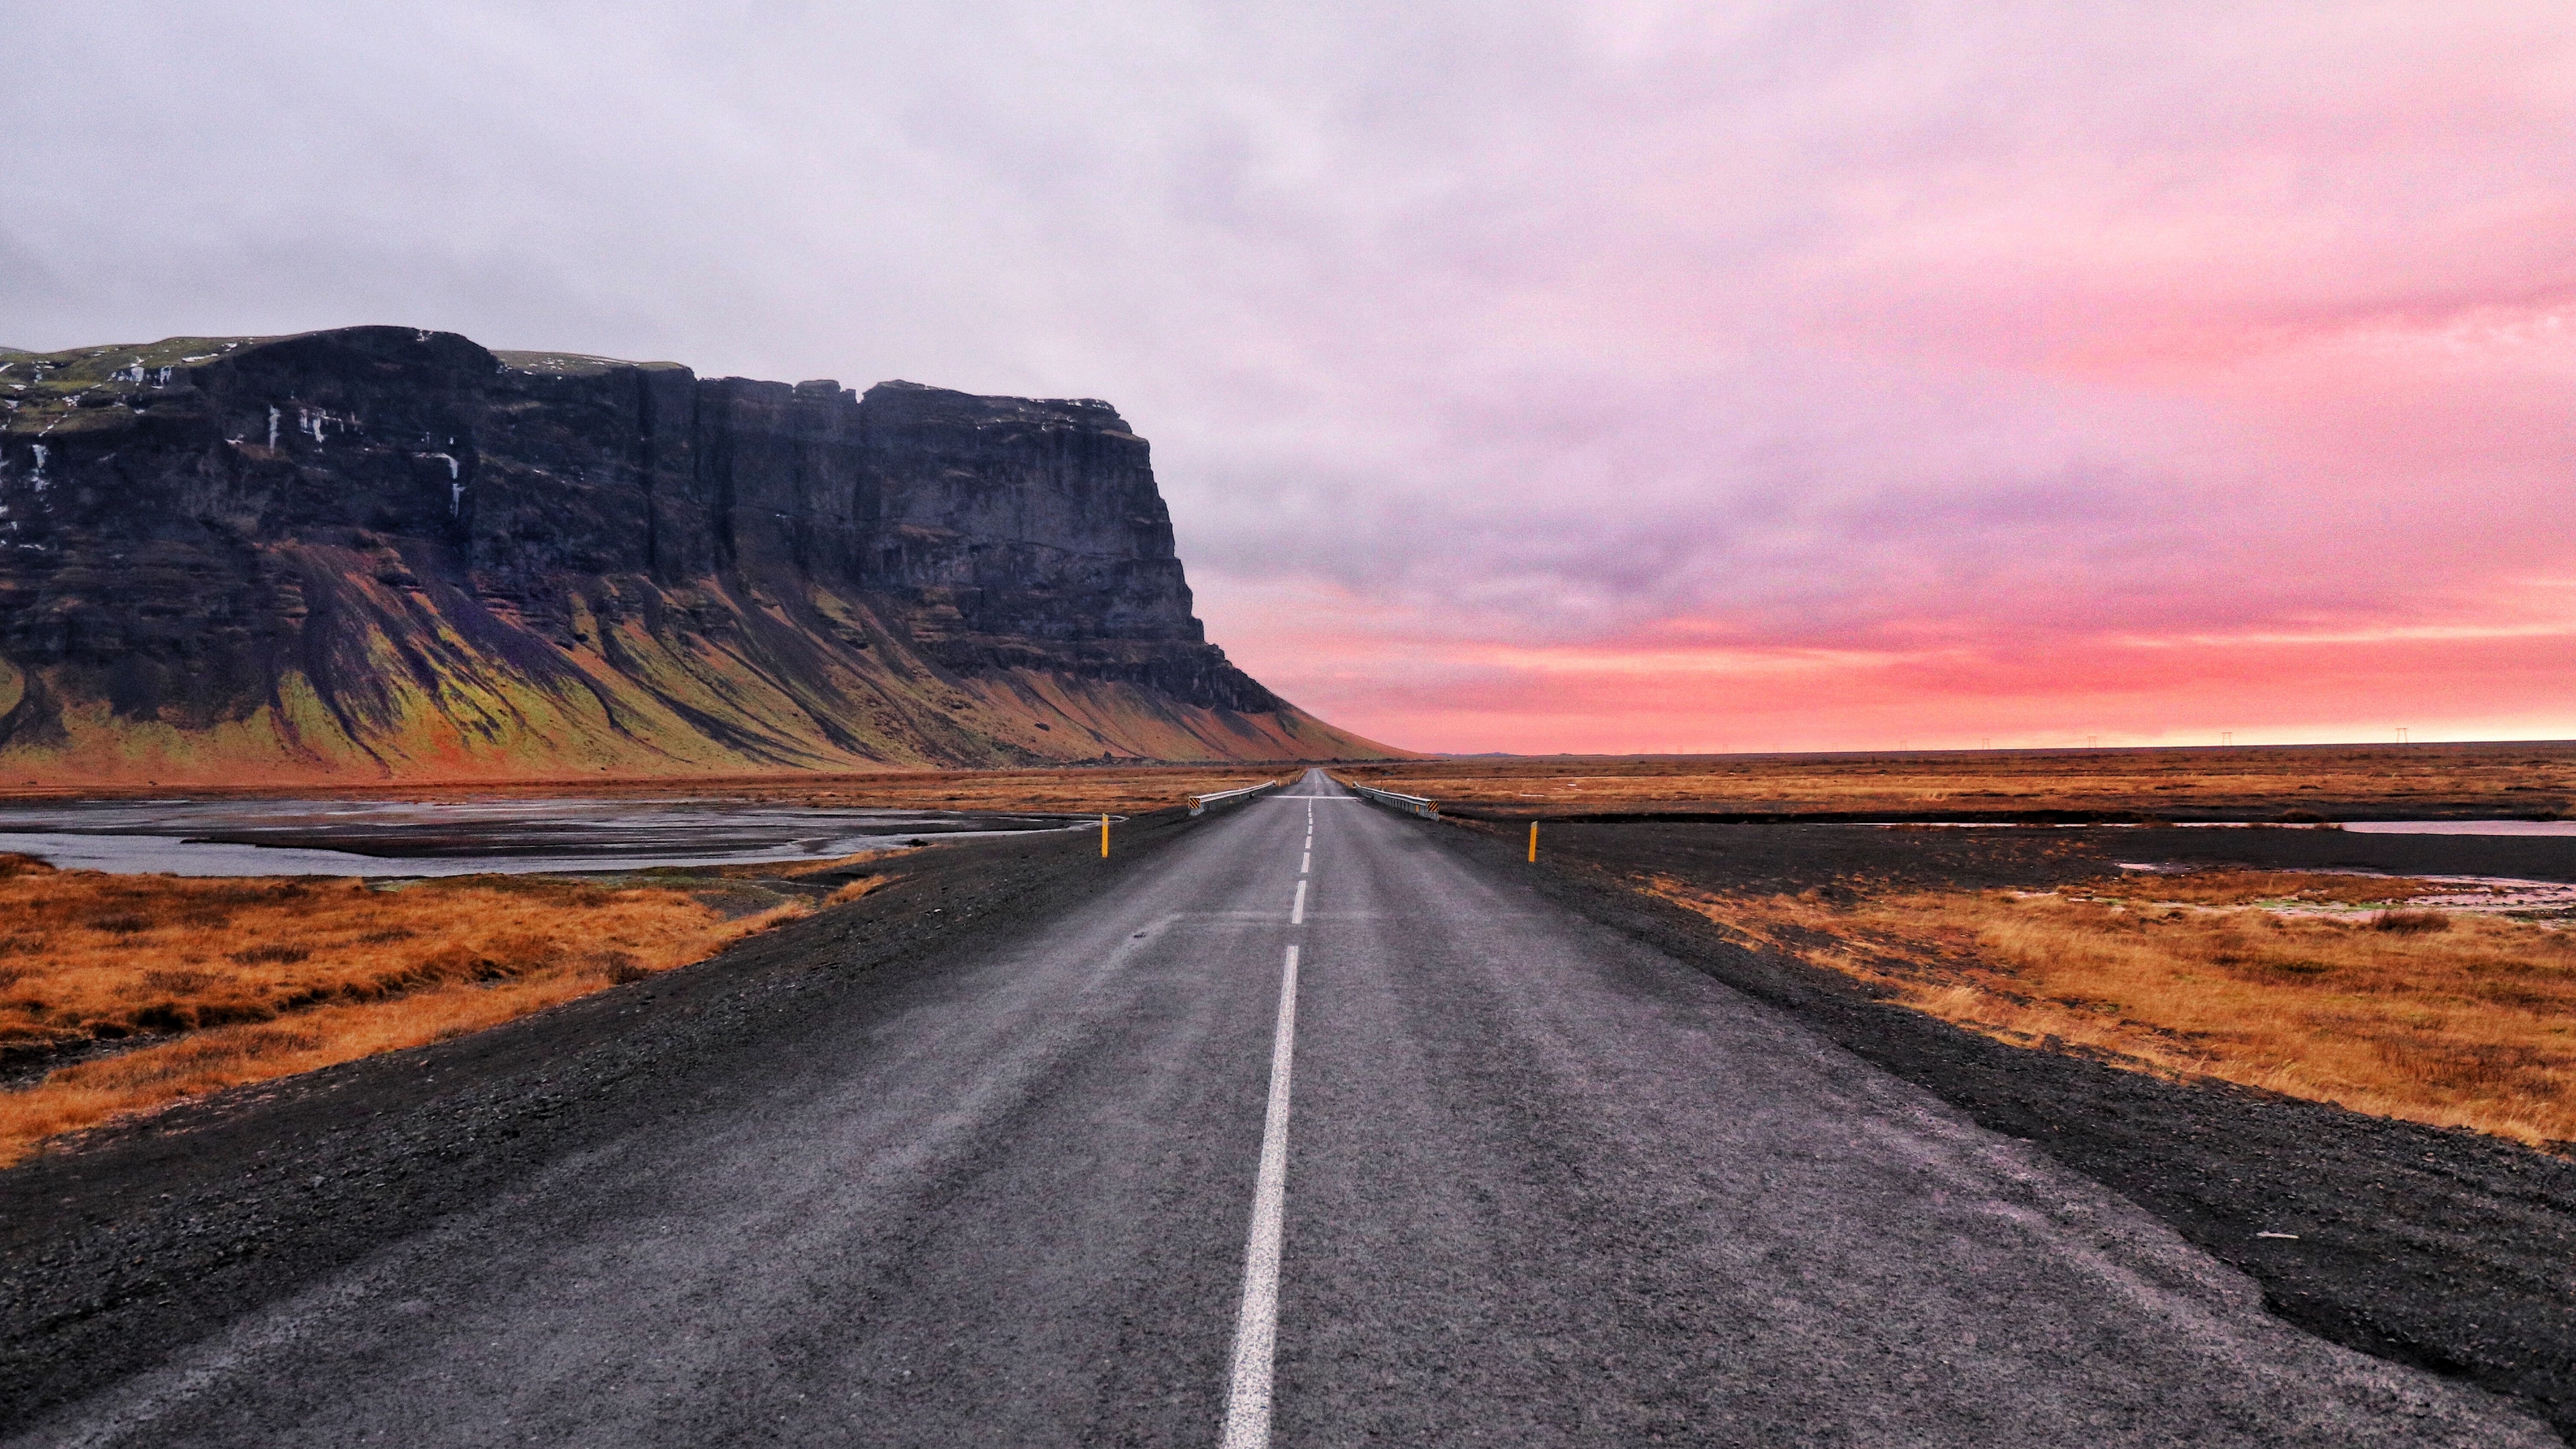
(1409, 804)
(1200, 803)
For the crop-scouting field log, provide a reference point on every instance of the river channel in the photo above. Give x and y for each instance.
(464, 837)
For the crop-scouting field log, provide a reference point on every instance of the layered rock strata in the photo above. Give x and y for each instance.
(382, 552)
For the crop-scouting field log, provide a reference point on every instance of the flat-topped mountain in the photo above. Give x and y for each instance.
(380, 552)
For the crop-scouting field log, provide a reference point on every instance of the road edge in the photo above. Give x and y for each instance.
(2206, 1160)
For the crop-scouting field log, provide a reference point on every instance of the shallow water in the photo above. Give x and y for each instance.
(2359, 827)
(422, 838)
(2462, 827)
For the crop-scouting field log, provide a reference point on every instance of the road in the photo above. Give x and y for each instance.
(1501, 1176)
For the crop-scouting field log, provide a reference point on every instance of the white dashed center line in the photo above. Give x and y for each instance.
(1256, 1327)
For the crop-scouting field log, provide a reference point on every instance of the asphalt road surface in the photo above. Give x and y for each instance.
(1471, 1170)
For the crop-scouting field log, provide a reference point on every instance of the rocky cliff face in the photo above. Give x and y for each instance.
(384, 551)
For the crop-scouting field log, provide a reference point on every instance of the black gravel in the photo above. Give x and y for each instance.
(2445, 1250)
(133, 1241)
(1796, 855)
(2522, 857)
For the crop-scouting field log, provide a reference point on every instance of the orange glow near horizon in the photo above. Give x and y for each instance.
(2461, 681)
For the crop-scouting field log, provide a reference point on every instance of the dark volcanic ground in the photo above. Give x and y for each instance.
(2447, 1250)
(144, 1238)
(1769, 857)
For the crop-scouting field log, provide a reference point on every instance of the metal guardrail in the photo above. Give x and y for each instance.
(1200, 803)
(1409, 804)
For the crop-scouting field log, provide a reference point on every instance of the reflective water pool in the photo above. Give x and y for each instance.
(423, 838)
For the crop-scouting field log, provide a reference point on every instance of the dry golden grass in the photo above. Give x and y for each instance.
(2447, 1018)
(2514, 779)
(232, 981)
(774, 869)
(1073, 791)
(1117, 790)
(856, 889)
(2248, 887)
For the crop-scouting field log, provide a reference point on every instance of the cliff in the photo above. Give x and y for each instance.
(380, 552)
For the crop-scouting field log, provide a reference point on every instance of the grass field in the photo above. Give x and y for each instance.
(1121, 790)
(1090, 790)
(2523, 780)
(2336, 988)
(158, 988)
(151, 989)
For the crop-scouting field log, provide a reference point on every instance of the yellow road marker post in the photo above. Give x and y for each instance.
(1533, 842)
(1104, 837)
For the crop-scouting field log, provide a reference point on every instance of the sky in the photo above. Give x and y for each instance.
(1589, 377)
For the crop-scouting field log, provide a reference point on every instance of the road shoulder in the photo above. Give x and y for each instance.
(2442, 1250)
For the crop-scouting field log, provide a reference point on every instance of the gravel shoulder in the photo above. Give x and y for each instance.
(130, 1241)
(2444, 1250)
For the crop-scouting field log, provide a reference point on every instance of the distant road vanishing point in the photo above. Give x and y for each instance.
(1305, 1130)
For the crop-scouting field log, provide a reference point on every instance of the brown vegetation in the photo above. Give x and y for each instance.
(2454, 1019)
(1117, 790)
(165, 987)
(2308, 783)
